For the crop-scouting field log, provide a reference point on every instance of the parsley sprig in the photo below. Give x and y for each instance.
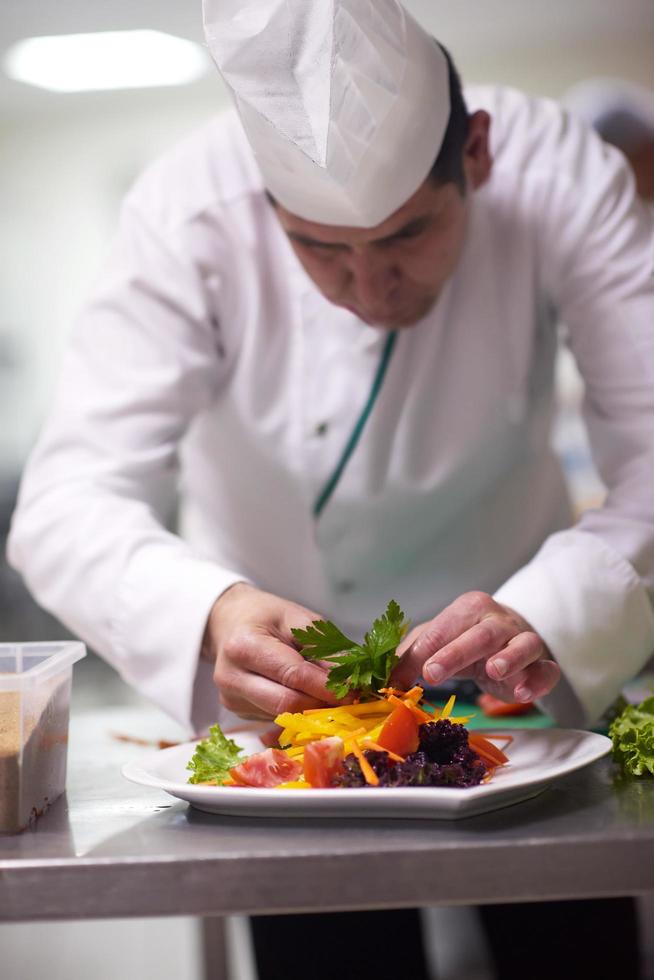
(361, 667)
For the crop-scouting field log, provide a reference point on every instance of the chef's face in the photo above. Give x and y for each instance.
(391, 275)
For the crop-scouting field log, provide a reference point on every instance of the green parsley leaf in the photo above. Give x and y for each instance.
(344, 676)
(632, 733)
(214, 757)
(387, 631)
(321, 639)
(365, 667)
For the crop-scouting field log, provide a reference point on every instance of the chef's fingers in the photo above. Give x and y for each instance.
(537, 680)
(451, 623)
(260, 653)
(410, 639)
(477, 643)
(244, 710)
(522, 650)
(258, 697)
(270, 738)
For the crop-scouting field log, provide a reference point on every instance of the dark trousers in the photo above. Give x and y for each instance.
(588, 940)
(340, 946)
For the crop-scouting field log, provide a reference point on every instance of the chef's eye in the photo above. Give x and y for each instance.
(410, 234)
(324, 249)
(327, 247)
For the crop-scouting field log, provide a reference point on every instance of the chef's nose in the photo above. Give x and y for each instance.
(374, 275)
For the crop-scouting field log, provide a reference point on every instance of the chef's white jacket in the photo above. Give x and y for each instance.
(208, 357)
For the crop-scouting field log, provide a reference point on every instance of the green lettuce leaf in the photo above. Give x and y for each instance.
(214, 757)
(632, 733)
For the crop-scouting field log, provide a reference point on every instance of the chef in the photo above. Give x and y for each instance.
(329, 319)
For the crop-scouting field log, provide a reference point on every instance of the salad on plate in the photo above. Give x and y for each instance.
(378, 736)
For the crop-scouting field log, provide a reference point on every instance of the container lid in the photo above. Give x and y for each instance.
(24, 665)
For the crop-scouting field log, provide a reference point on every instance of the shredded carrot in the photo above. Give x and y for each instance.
(422, 716)
(489, 760)
(369, 773)
(415, 694)
(369, 744)
(486, 749)
(356, 733)
(507, 739)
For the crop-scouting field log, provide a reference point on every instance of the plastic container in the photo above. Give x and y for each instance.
(35, 683)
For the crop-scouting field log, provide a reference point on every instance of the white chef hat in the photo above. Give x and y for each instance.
(621, 112)
(345, 102)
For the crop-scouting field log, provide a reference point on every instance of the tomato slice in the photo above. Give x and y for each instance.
(400, 731)
(269, 768)
(495, 708)
(322, 761)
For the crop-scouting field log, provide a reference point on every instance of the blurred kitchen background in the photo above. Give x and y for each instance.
(67, 158)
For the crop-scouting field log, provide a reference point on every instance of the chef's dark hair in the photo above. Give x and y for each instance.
(448, 167)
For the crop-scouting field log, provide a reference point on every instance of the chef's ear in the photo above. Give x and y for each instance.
(477, 159)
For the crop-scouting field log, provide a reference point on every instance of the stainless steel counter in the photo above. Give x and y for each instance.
(110, 848)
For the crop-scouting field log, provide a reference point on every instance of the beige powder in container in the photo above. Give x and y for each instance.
(33, 750)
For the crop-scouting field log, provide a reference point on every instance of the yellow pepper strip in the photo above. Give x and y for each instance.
(318, 725)
(369, 773)
(351, 739)
(294, 784)
(344, 711)
(292, 739)
(458, 720)
(369, 744)
(435, 709)
(447, 710)
(342, 718)
(369, 708)
(375, 732)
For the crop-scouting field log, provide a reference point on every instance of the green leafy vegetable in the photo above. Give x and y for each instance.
(214, 757)
(363, 667)
(632, 733)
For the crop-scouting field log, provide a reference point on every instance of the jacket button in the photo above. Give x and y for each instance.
(322, 429)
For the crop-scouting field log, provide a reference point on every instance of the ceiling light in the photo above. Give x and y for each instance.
(107, 60)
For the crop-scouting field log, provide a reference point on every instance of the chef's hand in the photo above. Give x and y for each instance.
(258, 670)
(479, 638)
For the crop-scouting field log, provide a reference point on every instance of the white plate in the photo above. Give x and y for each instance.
(538, 757)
